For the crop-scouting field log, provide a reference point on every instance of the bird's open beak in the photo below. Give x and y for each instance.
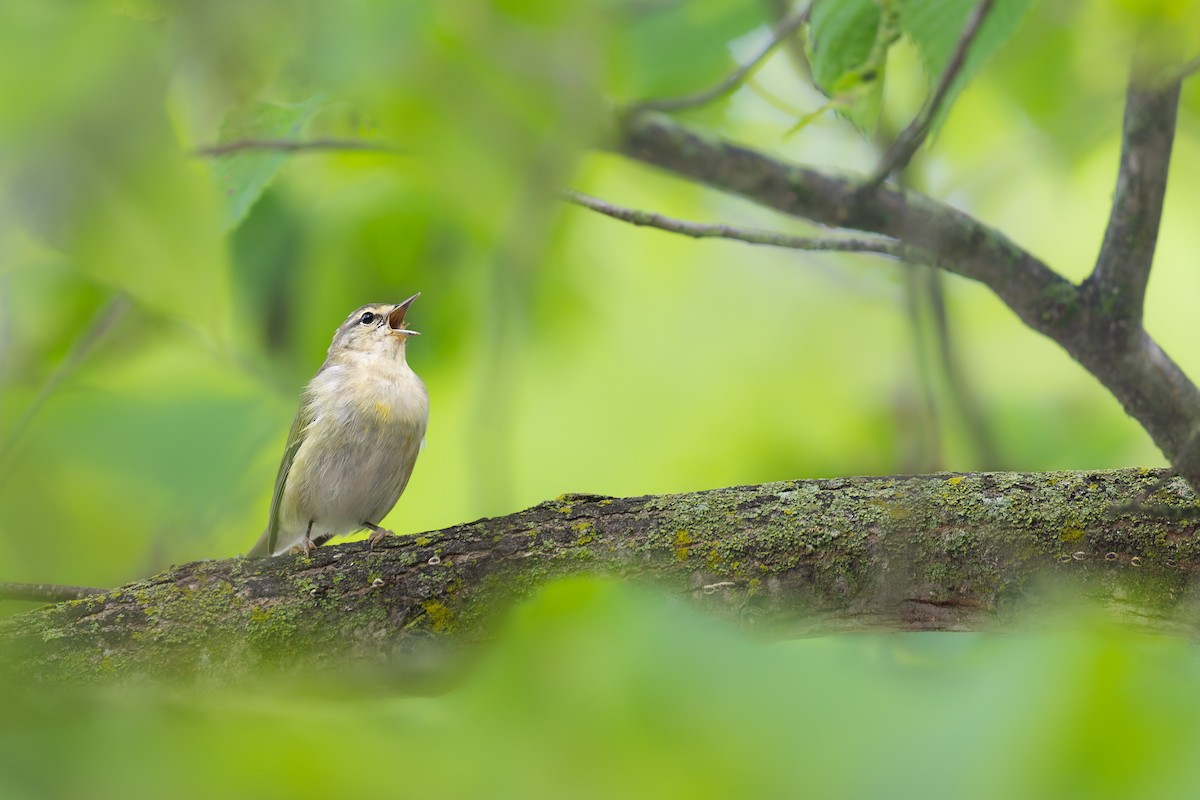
(395, 318)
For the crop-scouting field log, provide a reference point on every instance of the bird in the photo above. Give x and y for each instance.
(355, 438)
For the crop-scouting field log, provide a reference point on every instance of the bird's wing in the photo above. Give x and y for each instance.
(265, 547)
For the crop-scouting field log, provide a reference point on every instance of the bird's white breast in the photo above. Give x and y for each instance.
(368, 422)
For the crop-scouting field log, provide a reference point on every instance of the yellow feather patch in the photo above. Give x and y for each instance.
(383, 410)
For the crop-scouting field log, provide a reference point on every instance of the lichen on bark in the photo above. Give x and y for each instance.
(936, 552)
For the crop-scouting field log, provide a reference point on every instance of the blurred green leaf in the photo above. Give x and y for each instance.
(841, 35)
(242, 176)
(95, 171)
(599, 690)
(848, 42)
(936, 26)
(673, 49)
(53, 56)
(151, 232)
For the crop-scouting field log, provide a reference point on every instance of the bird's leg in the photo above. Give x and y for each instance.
(307, 546)
(378, 534)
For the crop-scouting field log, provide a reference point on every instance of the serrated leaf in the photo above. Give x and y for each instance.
(841, 34)
(935, 27)
(848, 41)
(243, 176)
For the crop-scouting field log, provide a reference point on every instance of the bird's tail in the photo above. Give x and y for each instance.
(260, 547)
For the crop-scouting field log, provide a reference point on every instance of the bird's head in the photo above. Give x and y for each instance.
(375, 327)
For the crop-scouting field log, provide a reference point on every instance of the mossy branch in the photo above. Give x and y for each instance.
(936, 552)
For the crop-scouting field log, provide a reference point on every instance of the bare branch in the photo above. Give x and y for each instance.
(1143, 378)
(911, 138)
(45, 592)
(293, 146)
(1117, 286)
(1188, 69)
(782, 31)
(961, 244)
(749, 235)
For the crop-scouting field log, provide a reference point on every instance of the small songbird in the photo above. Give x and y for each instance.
(355, 438)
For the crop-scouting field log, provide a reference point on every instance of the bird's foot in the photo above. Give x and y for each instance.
(378, 534)
(305, 548)
(308, 545)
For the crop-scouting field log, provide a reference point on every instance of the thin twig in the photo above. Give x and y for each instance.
(926, 433)
(987, 451)
(45, 592)
(773, 100)
(793, 45)
(105, 320)
(734, 79)
(293, 146)
(749, 235)
(911, 138)
(928, 299)
(1188, 69)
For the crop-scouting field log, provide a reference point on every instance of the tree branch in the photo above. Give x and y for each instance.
(782, 31)
(911, 138)
(45, 592)
(934, 552)
(1118, 282)
(945, 236)
(293, 146)
(749, 235)
(1187, 70)
(1148, 384)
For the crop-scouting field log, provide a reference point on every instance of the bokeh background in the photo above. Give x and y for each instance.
(160, 310)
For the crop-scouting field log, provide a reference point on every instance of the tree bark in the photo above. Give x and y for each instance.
(977, 551)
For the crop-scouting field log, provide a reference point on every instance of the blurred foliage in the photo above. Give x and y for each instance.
(599, 691)
(160, 310)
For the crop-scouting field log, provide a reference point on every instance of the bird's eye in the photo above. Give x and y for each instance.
(367, 318)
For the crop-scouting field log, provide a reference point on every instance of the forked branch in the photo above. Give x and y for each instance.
(1147, 383)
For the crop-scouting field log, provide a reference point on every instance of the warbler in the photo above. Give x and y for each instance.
(355, 439)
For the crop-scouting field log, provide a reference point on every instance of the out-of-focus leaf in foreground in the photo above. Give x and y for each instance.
(596, 689)
(242, 176)
(93, 170)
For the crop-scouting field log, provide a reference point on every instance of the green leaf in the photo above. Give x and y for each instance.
(243, 176)
(848, 42)
(841, 35)
(935, 27)
(679, 48)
